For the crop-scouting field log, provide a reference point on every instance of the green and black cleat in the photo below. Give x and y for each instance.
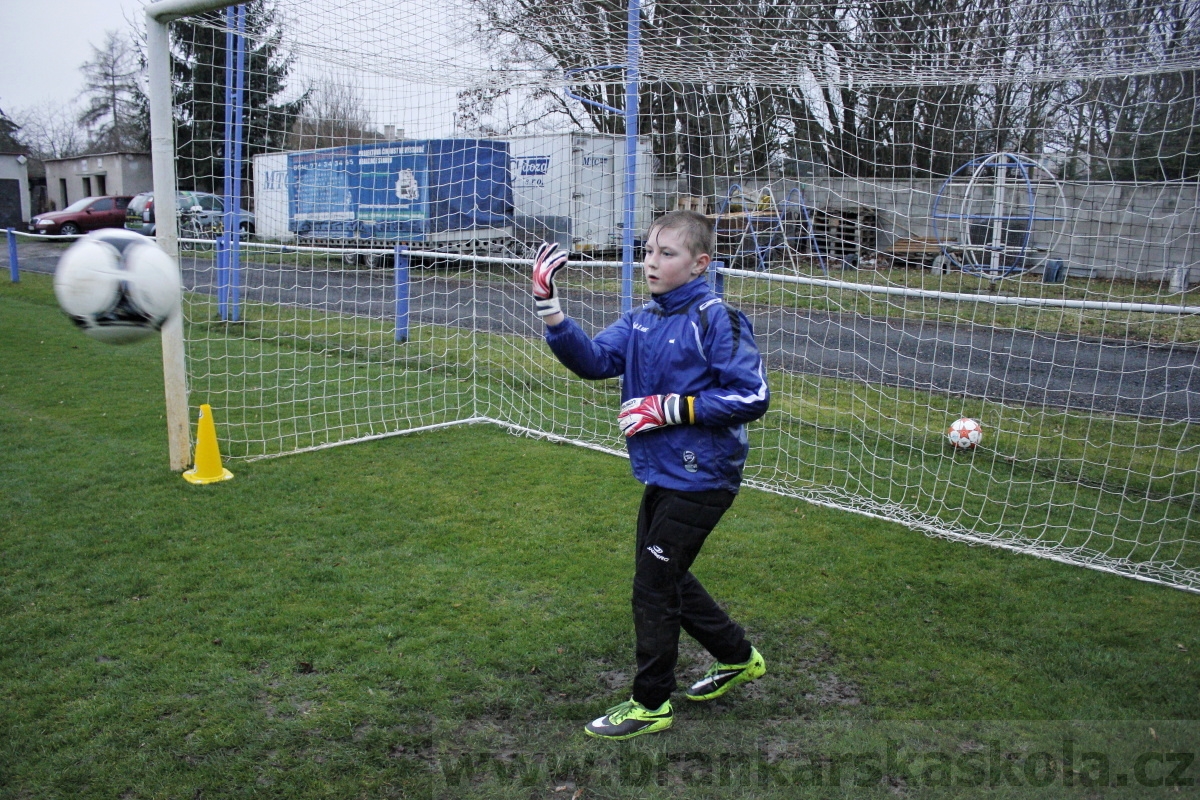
(630, 719)
(720, 678)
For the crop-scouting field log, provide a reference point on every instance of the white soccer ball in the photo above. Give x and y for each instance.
(117, 285)
(965, 433)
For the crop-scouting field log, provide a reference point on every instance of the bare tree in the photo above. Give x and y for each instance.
(493, 106)
(335, 115)
(1139, 126)
(52, 130)
(881, 88)
(112, 91)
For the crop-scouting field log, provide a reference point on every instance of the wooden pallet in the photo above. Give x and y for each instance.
(846, 234)
(916, 251)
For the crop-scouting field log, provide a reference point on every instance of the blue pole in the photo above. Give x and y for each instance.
(239, 106)
(402, 292)
(632, 79)
(222, 276)
(227, 185)
(13, 269)
(229, 249)
(716, 278)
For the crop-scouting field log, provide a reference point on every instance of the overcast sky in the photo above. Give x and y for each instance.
(43, 42)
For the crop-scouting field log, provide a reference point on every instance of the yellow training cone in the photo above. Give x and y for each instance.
(208, 467)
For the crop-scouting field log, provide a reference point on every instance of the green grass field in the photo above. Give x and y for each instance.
(437, 615)
(1113, 490)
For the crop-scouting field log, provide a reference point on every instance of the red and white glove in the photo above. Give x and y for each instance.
(653, 411)
(546, 263)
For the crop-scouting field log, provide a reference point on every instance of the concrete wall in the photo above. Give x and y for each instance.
(123, 174)
(1116, 230)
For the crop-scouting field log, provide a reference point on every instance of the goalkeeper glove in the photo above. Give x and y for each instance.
(548, 261)
(655, 411)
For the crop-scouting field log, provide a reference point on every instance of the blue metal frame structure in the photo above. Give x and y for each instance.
(403, 290)
(14, 271)
(1015, 258)
(801, 204)
(229, 242)
(632, 67)
(632, 81)
(768, 231)
(769, 225)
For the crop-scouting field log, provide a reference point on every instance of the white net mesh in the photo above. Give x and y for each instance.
(927, 210)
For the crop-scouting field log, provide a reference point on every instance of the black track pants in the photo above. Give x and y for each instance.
(672, 527)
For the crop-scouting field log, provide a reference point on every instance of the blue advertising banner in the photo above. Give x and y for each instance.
(320, 187)
(400, 191)
(391, 182)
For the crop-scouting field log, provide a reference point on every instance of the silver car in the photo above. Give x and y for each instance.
(197, 210)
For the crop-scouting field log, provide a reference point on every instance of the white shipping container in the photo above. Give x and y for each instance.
(569, 188)
(271, 197)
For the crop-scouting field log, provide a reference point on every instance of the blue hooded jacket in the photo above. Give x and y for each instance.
(687, 342)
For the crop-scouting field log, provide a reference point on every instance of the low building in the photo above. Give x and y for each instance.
(14, 190)
(97, 174)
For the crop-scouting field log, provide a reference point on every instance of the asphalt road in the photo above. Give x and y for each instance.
(1149, 380)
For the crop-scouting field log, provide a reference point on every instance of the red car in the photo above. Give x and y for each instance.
(83, 215)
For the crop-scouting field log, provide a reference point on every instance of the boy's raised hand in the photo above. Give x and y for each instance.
(653, 411)
(548, 261)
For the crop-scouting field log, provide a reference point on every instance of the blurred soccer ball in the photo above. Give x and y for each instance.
(965, 433)
(118, 286)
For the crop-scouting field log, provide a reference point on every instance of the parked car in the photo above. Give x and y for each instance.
(84, 215)
(204, 209)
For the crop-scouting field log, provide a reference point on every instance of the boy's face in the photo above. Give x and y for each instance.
(668, 263)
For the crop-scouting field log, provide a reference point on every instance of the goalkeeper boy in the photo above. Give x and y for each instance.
(692, 379)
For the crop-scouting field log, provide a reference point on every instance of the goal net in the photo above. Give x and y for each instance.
(928, 211)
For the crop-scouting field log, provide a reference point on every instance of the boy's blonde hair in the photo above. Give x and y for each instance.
(696, 230)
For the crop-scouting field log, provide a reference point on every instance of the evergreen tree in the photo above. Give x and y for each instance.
(8, 135)
(198, 65)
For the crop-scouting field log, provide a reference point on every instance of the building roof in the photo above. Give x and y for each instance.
(98, 155)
